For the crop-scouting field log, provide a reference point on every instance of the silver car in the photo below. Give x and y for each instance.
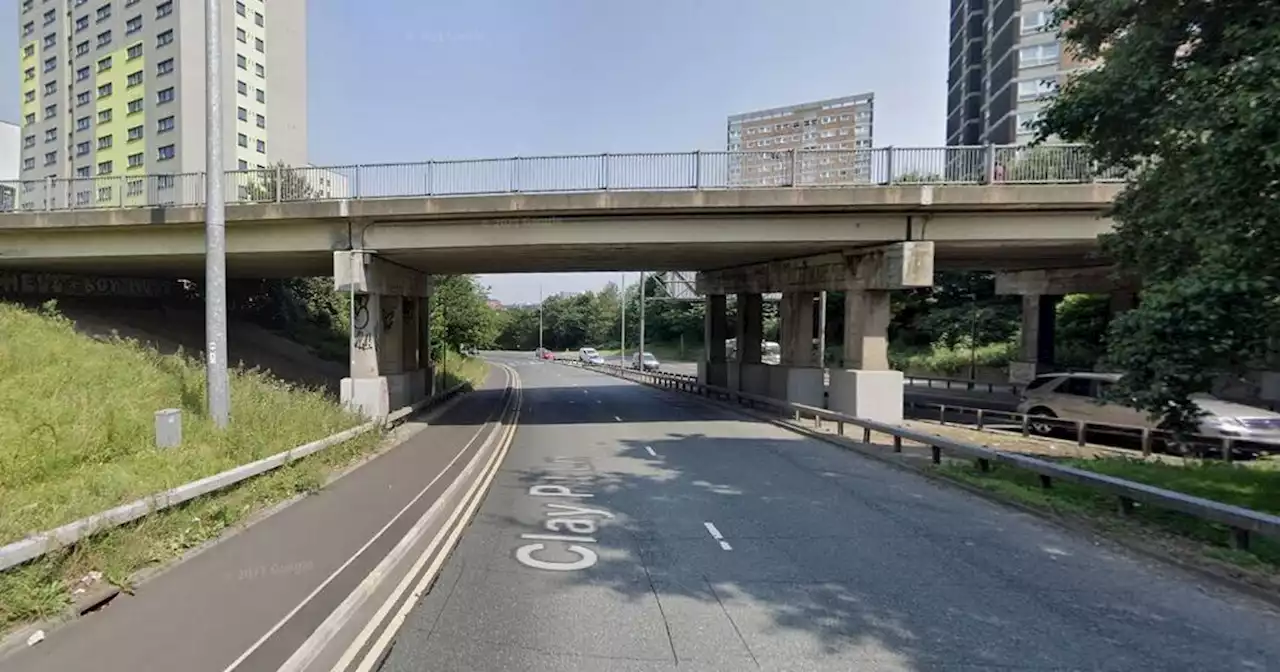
(650, 362)
(1084, 396)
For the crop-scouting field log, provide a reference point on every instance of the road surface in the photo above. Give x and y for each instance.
(634, 529)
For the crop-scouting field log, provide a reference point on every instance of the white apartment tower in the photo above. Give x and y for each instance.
(114, 90)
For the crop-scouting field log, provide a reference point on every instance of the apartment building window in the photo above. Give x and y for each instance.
(104, 38)
(30, 118)
(242, 140)
(50, 64)
(50, 158)
(164, 67)
(26, 5)
(243, 165)
(242, 62)
(260, 120)
(104, 64)
(134, 51)
(82, 124)
(135, 78)
(240, 8)
(28, 28)
(50, 16)
(164, 125)
(29, 51)
(29, 96)
(82, 73)
(83, 98)
(50, 40)
(1034, 21)
(105, 168)
(240, 36)
(135, 160)
(164, 38)
(50, 111)
(1027, 120)
(29, 142)
(105, 142)
(104, 90)
(164, 9)
(29, 163)
(165, 96)
(166, 181)
(165, 153)
(134, 187)
(262, 146)
(242, 88)
(135, 133)
(104, 193)
(1031, 89)
(259, 70)
(82, 48)
(241, 113)
(1038, 55)
(260, 95)
(104, 12)
(135, 106)
(133, 25)
(259, 44)
(258, 19)
(104, 116)
(28, 74)
(51, 134)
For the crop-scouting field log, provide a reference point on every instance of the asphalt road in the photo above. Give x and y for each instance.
(634, 529)
(238, 597)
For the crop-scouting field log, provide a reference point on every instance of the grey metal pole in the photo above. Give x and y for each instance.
(641, 354)
(215, 227)
(822, 329)
(541, 301)
(622, 339)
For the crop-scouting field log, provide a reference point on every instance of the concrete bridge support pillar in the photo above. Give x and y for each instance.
(387, 369)
(713, 369)
(752, 375)
(1035, 352)
(866, 387)
(799, 378)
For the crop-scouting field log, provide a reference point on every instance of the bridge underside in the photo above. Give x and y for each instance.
(977, 255)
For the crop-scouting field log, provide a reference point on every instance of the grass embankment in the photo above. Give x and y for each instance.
(77, 437)
(1255, 486)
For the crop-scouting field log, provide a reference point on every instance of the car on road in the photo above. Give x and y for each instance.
(589, 356)
(650, 362)
(1085, 396)
(543, 353)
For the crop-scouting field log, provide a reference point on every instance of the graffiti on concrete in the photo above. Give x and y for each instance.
(362, 336)
(59, 284)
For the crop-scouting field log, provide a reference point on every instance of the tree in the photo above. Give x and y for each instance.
(293, 183)
(1184, 97)
(460, 313)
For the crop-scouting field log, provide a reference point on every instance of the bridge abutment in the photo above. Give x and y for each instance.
(390, 356)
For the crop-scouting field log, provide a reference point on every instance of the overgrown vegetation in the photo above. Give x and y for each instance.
(1183, 96)
(1252, 487)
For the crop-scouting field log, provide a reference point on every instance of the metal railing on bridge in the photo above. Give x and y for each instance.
(987, 164)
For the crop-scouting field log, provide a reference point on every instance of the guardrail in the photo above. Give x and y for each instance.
(851, 167)
(961, 383)
(42, 543)
(1146, 438)
(1241, 522)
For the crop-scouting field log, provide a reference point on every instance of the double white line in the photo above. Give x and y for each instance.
(444, 542)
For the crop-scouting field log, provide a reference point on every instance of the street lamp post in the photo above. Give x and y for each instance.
(215, 228)
(640, 355)
(622, 330)
(541, 301)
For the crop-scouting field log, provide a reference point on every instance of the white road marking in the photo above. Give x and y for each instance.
(650, 449)
(715, 534)
(617, 418)
(725, 545)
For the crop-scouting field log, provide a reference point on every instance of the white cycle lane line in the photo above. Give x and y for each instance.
(373, 643)
(715, 534)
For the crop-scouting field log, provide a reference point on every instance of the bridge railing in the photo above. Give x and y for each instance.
(845, 168)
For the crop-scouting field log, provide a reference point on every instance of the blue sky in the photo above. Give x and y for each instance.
(409, 80)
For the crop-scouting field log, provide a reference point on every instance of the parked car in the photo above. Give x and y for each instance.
(1084, 396)
(650, 362)
(589, 356)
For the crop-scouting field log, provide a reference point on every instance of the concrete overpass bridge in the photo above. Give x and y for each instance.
(873, 232)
